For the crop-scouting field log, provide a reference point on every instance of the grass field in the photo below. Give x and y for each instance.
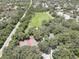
(37, 20)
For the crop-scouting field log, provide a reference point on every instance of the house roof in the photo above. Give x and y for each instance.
(30, 42)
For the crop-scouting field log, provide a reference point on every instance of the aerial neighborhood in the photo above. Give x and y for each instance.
(39, 29)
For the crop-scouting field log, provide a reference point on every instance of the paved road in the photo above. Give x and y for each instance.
(6, 43)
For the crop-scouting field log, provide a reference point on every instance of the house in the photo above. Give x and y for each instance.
(29, 42)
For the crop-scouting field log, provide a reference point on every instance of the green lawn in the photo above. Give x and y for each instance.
(37, 20)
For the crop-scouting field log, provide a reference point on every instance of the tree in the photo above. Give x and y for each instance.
(22, 53)
(44, 47)
(36, 33)
(63, 53)
(53, 43)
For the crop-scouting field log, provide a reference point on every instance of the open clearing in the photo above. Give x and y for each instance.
(37, 20)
